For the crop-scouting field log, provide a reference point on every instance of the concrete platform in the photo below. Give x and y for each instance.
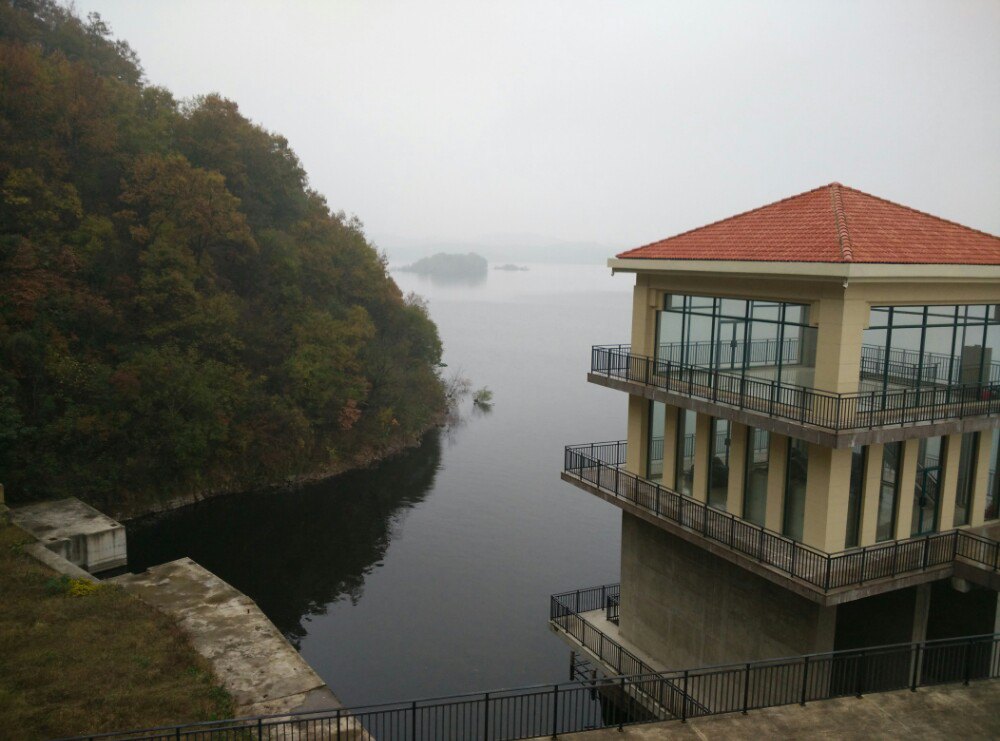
(75, 531)
(947, 712)
(253, 661)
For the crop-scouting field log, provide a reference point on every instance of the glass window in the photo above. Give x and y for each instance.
(718, 464)
(966, 477)
(892, 458)
(855, 498)
(795, 488)
(684, 471)
(927, 488)
(657, 421)
(755, 475)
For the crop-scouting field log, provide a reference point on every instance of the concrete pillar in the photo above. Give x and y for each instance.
(921, 611)
(949, 482)
(871, 494)
(737, 465)
(838, 354)
(826, 629)
(703, 431)
(670, 447)
(776, 482)
(977, 503)
(827, 492)
(907, 483)
(636, 459)
(644, 307)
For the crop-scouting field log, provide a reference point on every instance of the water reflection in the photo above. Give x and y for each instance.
(295, 552)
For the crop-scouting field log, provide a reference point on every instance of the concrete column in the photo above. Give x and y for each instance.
(703, 431)
(921, 611)
(638, 435)
(827, 492)
(838, 353)
(826, 629)
(907, 483)
(871, 494)
(644, 309)
(737, 465)
(776, 482)
(977, 511)
(949, 482)
(670, 447)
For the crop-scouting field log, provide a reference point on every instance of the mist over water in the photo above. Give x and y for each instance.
(429, 574)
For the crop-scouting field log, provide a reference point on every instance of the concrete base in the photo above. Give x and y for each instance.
(75, 531)
(253, 661)
(687, 607)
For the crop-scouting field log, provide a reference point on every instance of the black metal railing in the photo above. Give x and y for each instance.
(821, 570)
(555, 709)
(823, 409)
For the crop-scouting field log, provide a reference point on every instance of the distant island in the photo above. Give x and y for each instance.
(445, 265)
(511, 267)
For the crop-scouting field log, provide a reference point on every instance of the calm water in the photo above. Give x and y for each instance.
(430, 574)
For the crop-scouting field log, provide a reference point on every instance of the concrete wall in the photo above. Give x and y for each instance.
(686, 607)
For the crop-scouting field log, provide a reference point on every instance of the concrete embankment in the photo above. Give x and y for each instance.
(251, 658)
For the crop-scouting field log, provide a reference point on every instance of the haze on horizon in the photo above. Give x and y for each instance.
(600, 124)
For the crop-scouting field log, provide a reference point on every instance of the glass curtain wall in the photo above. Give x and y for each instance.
(892, 459)
(654, 455)
(718, 464)
(859, 455)
(684, 468)
(757, 339)
(927, 489)
(966, 477)
(755, 476)
(930, 346)
(793, 518)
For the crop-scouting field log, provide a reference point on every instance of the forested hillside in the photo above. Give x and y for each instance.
(179, 312)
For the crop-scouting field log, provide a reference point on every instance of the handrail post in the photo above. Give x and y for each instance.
(927, 550)
(805, 680)
(684, 699)
(829, 561)
(486, 716)
(861, 674)
(260, 726)
(746, 689)
(338, 724)
(555, 710)
(968, 662)
(795, 551)
(621, 715)
(413, 720)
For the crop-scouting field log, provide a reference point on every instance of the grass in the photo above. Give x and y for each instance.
(75, 660)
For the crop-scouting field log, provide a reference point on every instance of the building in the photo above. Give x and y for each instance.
(812, 456)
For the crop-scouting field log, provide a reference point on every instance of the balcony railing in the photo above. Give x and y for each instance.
(600, 464)
(808, 406)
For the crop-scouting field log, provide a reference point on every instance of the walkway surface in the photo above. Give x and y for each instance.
(946, 712)
(253, 661)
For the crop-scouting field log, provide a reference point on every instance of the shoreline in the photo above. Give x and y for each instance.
(362, 460)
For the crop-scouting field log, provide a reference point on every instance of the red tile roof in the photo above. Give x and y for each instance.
(832, 223)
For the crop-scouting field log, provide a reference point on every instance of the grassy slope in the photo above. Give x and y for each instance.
(102, 661)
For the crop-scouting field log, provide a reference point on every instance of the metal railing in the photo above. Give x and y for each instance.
(801, 404)
(819, 569)
(555, 709)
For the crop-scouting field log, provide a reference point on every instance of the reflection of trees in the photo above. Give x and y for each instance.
(294, 552)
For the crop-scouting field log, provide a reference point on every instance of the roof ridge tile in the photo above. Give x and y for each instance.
(840, 219)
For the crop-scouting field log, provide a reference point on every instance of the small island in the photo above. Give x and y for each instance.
(511, 267)
(444, 265)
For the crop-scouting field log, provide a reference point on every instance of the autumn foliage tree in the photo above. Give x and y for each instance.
(179, 312)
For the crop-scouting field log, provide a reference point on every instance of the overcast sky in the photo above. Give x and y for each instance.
(609, 122)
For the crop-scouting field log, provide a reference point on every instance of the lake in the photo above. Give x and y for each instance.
(429, 574)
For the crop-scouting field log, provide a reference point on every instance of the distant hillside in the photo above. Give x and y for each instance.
(179, 311)
(445, 265)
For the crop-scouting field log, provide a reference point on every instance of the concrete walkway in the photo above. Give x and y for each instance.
(253, 661)
(948, 712)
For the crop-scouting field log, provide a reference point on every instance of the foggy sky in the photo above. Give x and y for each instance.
(609, 122)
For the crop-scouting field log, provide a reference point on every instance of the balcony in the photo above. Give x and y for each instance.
(832, 419)
(826, 578)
